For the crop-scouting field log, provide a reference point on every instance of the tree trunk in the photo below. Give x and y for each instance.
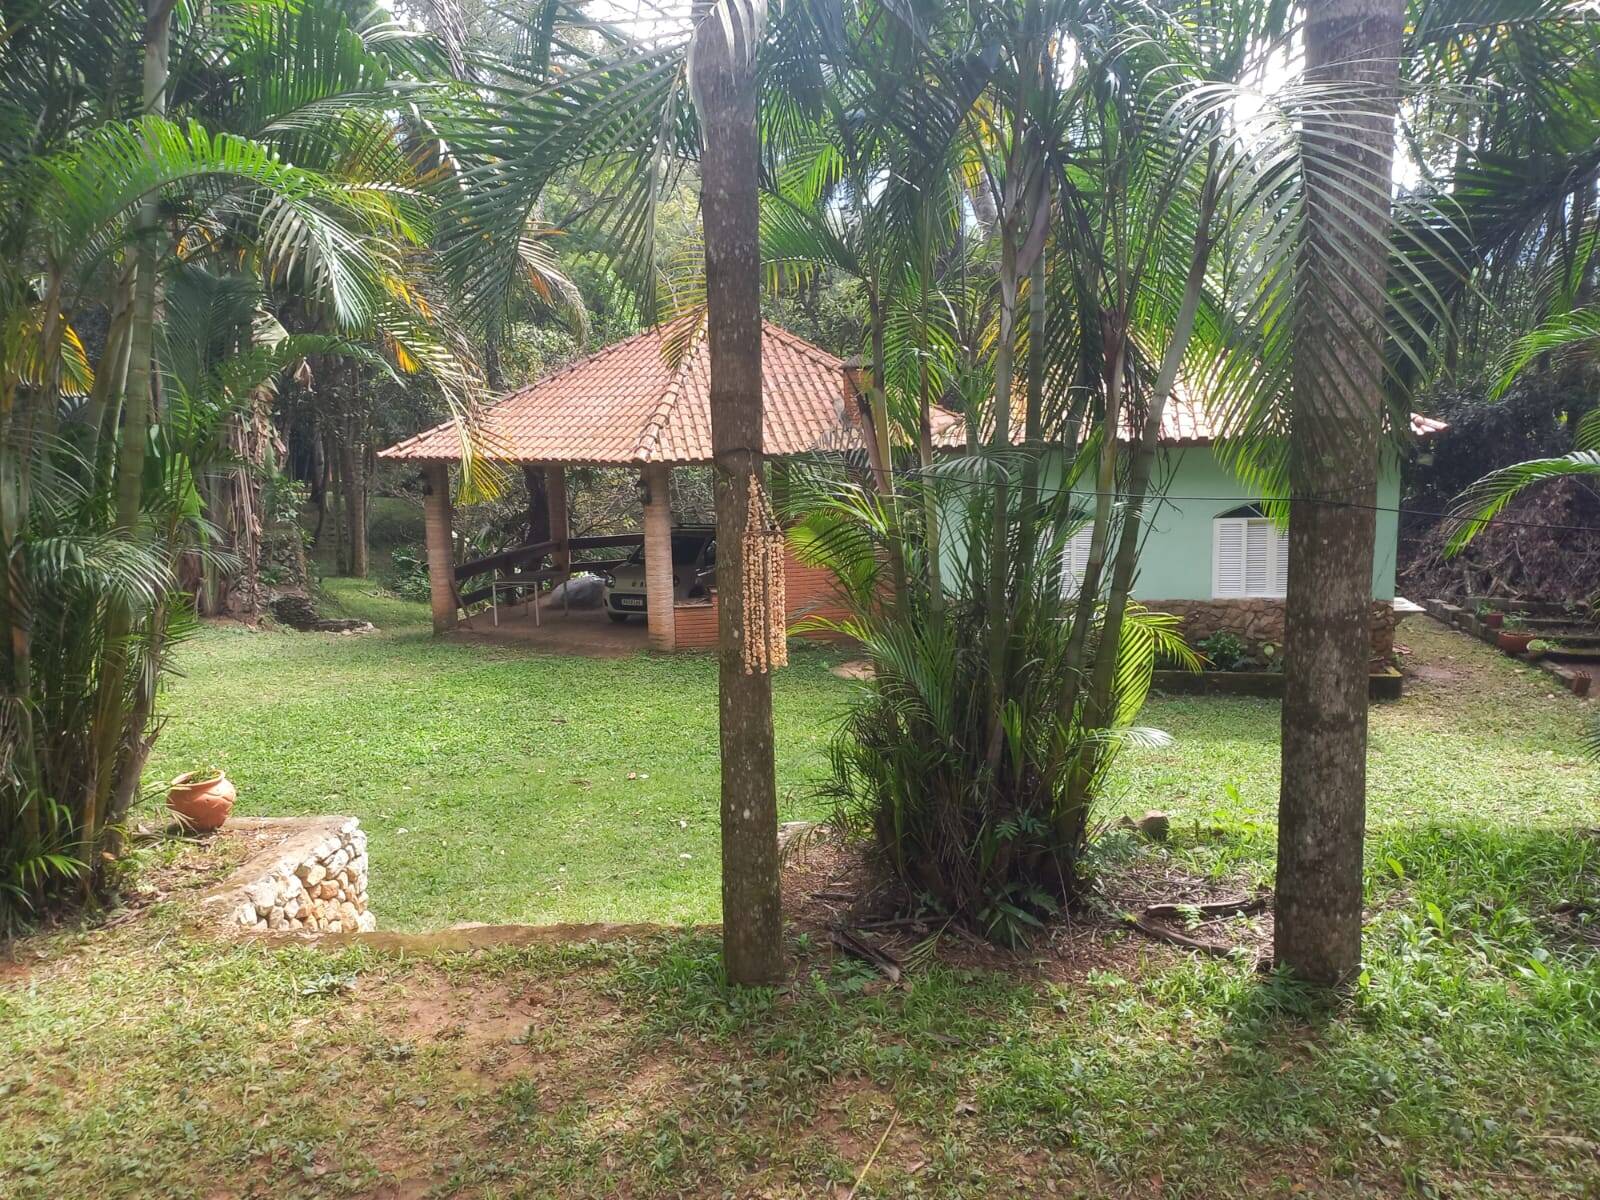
(1333, 445)
(724, 85)
(110, 708)
(355, 472)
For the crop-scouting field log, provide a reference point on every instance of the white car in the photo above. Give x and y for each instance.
(694, 570)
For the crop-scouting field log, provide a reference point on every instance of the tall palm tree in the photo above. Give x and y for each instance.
(723, 81)
(1333, 449)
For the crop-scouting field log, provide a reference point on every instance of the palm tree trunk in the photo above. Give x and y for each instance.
(1333, 447)
(724, 85)
(1143, 467)
(111, 703)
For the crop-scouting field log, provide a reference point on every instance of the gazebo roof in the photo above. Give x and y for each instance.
(626, 405)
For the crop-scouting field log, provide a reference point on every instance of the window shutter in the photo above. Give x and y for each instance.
(1075, 560)
(1228, 557)
(1257, 558)
(1280, 561)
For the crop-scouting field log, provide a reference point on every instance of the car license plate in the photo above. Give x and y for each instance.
(630, 602)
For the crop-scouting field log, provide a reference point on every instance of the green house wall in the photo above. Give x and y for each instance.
(1176, 561)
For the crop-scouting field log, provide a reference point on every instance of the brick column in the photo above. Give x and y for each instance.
(555, 490)
(441, 550)
(657, 480)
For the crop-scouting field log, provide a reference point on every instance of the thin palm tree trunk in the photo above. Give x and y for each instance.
(1143, 466)
(1333, 447)
(137, 398)
(752, 923)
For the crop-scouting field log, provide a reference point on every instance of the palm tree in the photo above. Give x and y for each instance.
(723, 81)
(1333, 454)
(98, 510)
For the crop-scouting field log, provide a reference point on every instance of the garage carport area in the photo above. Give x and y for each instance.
(643, 404)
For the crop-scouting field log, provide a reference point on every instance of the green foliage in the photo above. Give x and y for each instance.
(1224, 651)
(964, 780)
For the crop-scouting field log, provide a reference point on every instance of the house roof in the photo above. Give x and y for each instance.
(626, 405)
(1184, 422)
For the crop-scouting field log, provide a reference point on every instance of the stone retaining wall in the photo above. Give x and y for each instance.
(315, 882)
(1258, 621)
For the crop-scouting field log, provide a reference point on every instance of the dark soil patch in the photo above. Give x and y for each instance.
(832, 884)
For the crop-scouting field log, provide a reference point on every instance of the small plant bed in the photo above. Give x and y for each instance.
(1230, 669)
(1384, 683)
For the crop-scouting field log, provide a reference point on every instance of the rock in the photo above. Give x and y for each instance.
(858, 669)
(581, 591)
(366, 922)
(312, 873)
(334, 926)
(297, 612)
(790, 830)
(262, 894)
(275, 919)
(245, 915)
(1154, 825)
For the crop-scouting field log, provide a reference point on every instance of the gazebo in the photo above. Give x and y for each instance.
(632, 405)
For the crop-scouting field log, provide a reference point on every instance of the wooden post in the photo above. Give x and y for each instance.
(555, 492)
(441, 548)
(657, 482)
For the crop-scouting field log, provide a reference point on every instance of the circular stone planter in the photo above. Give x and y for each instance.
(201, 804)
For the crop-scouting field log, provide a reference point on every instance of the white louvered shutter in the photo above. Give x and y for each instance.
(1258, 556)
(1075, 560)
(1280, 561)
(1228, 557)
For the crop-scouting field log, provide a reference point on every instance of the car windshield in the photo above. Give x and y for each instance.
(686, 548)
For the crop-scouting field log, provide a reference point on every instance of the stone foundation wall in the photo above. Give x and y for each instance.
(317, 883)
(1258, 621)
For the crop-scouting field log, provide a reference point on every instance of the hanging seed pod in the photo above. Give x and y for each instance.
(766, 643)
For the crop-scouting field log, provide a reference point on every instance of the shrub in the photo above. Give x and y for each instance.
(1224, 651)
(956, 759)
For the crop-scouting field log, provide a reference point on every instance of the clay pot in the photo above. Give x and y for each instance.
(1513, 643)
(201, 804)
(1494, 620)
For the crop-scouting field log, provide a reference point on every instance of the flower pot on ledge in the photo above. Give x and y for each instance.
(1494, 620)
(201, 800)
(1513, 642)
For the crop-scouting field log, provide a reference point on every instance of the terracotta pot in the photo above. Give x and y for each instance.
(201, 804)
(1494, 620)
(1514, 643)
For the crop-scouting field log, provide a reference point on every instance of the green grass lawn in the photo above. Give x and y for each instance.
(147, 1060)
(494, 785)
(500, 785)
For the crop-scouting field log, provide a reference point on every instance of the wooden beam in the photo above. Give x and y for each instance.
(555, 490)
(441, 550)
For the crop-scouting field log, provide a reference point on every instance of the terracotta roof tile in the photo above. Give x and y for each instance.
(625, 405)
(1184, 423)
